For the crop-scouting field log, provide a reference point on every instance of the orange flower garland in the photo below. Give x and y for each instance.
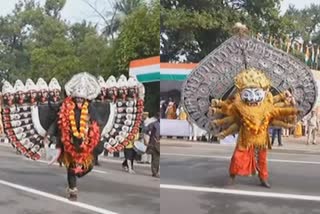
(83, 121)
(91, 138)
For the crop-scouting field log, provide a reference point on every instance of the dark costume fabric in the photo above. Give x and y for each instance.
(154, 146)
(93, 116)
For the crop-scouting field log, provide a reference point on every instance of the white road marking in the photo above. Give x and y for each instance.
(57, 198)
(229, 157)
(56, 164)
(100, 171)
(241, 192)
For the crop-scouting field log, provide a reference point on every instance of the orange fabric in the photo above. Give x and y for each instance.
(145, 62)
(298, 130)
(178, 65)
(172, 112)
(244, 163)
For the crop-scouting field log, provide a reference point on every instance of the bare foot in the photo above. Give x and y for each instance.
(231, 180)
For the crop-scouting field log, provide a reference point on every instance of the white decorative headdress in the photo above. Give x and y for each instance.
(122, 81)
(7, 88)
(111, 82)
(132, 81)
(83, 85)
(30, 85)
(142, 90)
(54, 85)
(19, 86)
(101, 82)
(42, 84)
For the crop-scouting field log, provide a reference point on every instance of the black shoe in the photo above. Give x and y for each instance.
(280, 145)
(156, 175)
(265, 184)
(73, 197)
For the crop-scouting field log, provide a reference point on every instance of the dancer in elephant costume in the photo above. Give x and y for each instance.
(245, 87)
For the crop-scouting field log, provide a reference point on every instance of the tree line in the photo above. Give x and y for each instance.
(194, 28)
(35, 41)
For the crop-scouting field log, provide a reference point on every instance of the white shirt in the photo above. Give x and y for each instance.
(313, 121)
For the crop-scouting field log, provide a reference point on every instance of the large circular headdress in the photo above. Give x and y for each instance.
(214, 75)
(83, 85)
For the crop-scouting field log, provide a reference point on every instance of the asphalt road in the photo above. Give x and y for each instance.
(194, 181)
(30, 187)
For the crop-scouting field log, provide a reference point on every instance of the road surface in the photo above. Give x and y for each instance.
(30, 187)
(194, 181)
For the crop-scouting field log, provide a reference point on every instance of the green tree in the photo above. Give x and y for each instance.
(139, 35)
(35, 42)
(53, 7)
(139, 38)
(195, 28)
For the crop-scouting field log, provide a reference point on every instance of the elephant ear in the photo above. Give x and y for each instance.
(125, 98)
(213, 78)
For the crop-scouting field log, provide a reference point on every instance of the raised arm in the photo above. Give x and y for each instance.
(279, 112)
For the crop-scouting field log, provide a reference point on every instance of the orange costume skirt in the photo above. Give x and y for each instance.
(247, 162)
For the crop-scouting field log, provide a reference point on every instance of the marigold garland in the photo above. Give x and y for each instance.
(83, 121)
(91, 138)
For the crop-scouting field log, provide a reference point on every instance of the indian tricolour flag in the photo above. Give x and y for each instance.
(146, 70)
(177, 72)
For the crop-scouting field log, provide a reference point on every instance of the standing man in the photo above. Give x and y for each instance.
(276, 131)
(153, 148)
(163, 108)
(313, 126)
(146, 158)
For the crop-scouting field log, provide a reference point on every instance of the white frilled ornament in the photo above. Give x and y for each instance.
(132, 88)
(54, 90)
(83, 85)
(8, 94)
(122, 81)
(54, 85)
(111, 82)
(122, 85)
(43, 88)
(112, 91)
(32, 90)
(101, 82)
(19, 87)
(31, 86)
(141, 90)
(42, 84)
(7, 88)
